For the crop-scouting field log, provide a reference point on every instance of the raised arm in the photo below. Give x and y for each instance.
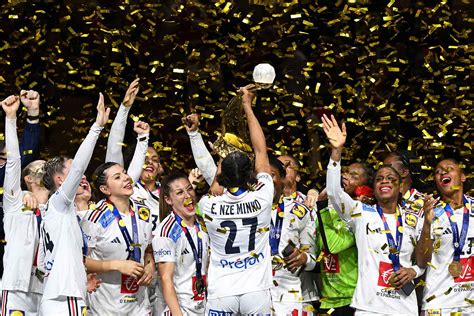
(84, 153)
(340, 200)
(117, 130)
(136, 165)
(256, 133)
(29, 145)
(424, 246)
(11, 186)
(202, 156)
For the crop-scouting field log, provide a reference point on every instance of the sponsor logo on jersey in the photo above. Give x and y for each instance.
(162, 252)
(116, 240)
(368, 208)
(213, 312)
(411, 220)
(185, 251)
(242, 264)
(299, 210)
(83, 310)
(467, 273)
(16, 312)
(106, 219)
(144, 213)
(129, 285)
(331, 263)
(385, 271)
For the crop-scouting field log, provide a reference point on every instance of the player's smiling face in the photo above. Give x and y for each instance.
(182, 198)
(152, 168)
(118, 183)
(387, 184)
(448, 177)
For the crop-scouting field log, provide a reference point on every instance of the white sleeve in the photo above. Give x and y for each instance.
(340, 200)
(12, 195)
(117, 133)
(138, 160)
(90, 230)
(67, 191)
(202, 157)
(164, 249)
(308, 239)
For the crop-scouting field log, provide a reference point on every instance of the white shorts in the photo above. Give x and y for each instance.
(253, 303)
(23, 303)
(292, 308)
(465, 311)
(63, 306)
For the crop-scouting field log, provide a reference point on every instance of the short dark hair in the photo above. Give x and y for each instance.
(236, 170)
(99, 178)
(274, 162)
(165, 190)
(369, 173)
(52, 167)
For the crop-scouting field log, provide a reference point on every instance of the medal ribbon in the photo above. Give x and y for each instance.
(85, 247)
(393, 255)
(275, 229)
(458, 240)
(133, 247)
(197, 253)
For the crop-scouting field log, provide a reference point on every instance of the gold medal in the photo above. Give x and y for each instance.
(455, 269)
(391, 281)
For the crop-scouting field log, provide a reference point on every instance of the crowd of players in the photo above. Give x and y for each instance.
(142, 242)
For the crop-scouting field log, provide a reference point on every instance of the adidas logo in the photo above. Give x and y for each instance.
(185, 251)
(447, 231)
(116, 240)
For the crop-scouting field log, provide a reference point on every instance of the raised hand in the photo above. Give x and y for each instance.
(29, 201)
(195, 177)
(102, 112)
(141, 128)
(191, 122)
(31, 100)
(247, 95)
(428, 207)
(311, 199)
(335, 135)
(131, 93)
(10, 105)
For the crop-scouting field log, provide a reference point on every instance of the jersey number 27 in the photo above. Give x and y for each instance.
(229, 245)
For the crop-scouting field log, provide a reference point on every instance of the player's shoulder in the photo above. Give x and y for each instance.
(367, 208)
(99, 214)
(169, 228)
(263, 179)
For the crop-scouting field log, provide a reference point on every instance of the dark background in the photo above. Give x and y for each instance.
(398, 72)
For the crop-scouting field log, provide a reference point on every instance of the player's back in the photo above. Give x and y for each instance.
(238, 225)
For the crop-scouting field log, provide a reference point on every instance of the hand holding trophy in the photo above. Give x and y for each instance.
(234, 131)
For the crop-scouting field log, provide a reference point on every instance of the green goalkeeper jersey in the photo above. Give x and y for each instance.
(338, 263)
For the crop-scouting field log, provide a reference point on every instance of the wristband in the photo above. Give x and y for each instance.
(33, 117)
(143, 138)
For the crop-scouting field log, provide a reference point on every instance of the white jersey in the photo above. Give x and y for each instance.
(118, 292)
(441, 289)
(152, 202)
(373, 292)
(238, 228)
(297, 226)
(63, 241)
(171, 245)
(21, 226)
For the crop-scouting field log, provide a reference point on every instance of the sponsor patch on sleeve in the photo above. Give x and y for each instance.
(299, 210)
(106, 218)
(368, 208)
